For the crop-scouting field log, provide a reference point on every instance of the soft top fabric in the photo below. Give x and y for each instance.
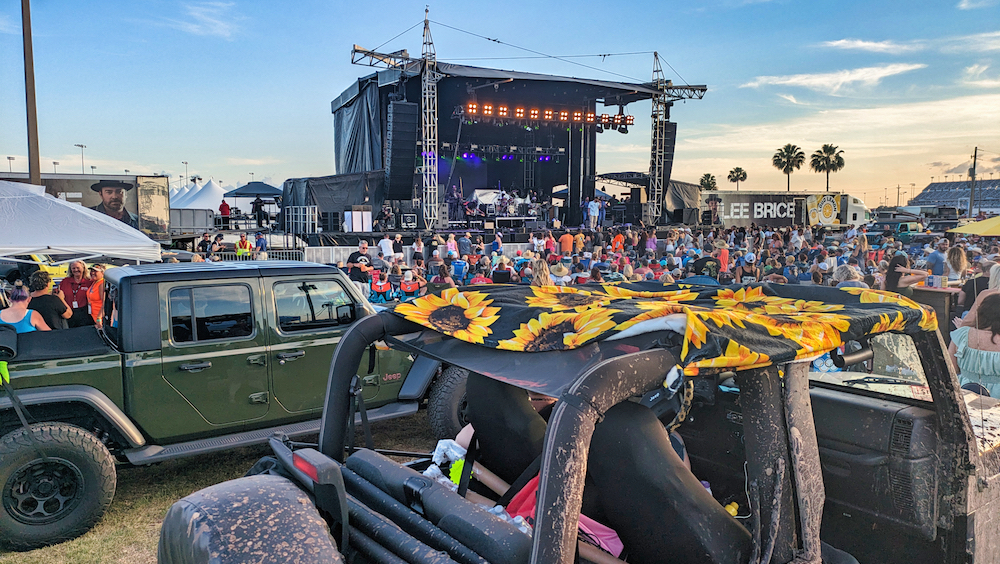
(723, 327)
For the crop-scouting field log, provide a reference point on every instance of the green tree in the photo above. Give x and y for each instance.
(737, 175)
(787, 160)
(707, 182)
(828, 159)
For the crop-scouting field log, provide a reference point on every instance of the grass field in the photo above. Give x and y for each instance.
(130, 530)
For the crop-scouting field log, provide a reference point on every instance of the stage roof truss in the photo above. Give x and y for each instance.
(394, 60)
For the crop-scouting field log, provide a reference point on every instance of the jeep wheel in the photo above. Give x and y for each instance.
(446, 404)
(54, 489)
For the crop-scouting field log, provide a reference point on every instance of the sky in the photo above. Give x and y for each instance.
(906, 89)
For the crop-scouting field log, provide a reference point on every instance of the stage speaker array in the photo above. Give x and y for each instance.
(401, 149)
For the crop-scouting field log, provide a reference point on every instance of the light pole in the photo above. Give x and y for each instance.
(185, 163)
(93, 169)
(126, 171)
(251, 177)
(10, 164)
(54, 165)
(83, 169)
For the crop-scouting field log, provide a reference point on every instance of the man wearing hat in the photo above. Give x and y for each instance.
(112, 194)
(559, 274)
(722, 253)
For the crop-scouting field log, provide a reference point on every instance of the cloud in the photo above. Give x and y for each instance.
(938, 164)
(207, 18)
(252, 162)
(832, 82)
(792, 99)
(974, 77)
(7, 26)
(974, 4)
(960, 169)
(889, 47)
(977, 43)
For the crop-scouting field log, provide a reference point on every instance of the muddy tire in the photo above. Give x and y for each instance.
(56, 497)
(446, 403)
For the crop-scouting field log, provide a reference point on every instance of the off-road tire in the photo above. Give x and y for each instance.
(446, 403)
(76, 461)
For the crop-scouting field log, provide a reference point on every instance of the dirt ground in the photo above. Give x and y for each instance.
(130, 530)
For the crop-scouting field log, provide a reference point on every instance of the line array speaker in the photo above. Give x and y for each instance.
(401, 149)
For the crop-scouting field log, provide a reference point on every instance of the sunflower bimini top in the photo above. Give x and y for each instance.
(719, 328)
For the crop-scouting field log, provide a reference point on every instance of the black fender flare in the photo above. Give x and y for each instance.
(86, 395)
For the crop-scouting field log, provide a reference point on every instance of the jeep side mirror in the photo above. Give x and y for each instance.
(345, 314)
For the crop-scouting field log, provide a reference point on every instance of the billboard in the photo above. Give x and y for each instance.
(823, 209)
(141, 202)
(740, 209)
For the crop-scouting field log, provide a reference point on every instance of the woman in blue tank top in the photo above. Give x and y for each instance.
(18, 315)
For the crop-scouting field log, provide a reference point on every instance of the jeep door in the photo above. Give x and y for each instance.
(215, 348)
(307, 315)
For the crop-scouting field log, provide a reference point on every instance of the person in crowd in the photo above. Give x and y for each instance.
(594, 213)
(18, 315)
(497, 246)
(975, 349)
(48, 301)
(540, 275)
(566, 244)
(257, 208)
(397, 248)
(381, 288)
(359, 264)
(560, 274)
(379, 263)
(451, 244)
(435, 260)
(197, 258)
(748, 272)
(224, 211)
(937, 259)
(479, 247)
(411, 286)
(846, 276)
(993, 287)
(385, 245)
(900, 277)
(205, 245)
(218, 244)
(95, 294)
(957, 264)
(459, 270)
(443, 277)
(721, 253)
(550, 244)
(479, 278)
(465, 245)
(260, 246)
(395, 276)
(595, 275)
(418, 249)
(243, 247)
(74, 288)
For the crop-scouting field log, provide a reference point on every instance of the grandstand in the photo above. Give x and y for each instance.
(956, 194)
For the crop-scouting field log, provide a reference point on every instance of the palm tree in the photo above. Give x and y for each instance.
(788, 159)
(707, 182)
(828, 159)
(737, 175)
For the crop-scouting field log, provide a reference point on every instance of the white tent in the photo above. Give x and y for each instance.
(182, 194)
(207, 198)
(36, 223)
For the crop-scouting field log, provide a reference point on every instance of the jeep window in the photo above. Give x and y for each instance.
(112, 319)
(895, 369)
(210, 313)
(308, 304)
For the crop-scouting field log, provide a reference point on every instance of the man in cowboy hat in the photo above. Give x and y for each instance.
(112, 194)
(559, 274)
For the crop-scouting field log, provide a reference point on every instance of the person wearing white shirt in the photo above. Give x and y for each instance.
(386, 246)
(594, 211)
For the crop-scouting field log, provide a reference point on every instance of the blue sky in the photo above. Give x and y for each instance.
(906, 89)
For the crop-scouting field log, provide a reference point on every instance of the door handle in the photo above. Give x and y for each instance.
(258, 359)
(291, 356)
(259, 397)
(196, 367)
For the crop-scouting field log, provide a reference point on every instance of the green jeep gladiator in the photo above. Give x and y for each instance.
(192, 358)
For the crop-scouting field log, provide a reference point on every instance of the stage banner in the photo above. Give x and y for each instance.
(741, 209)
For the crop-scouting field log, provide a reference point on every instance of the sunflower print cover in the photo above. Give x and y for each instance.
(724, 327)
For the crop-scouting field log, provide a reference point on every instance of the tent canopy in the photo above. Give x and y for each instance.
(208, 197)
(36, 223)
(254, 189)
(986, 228)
